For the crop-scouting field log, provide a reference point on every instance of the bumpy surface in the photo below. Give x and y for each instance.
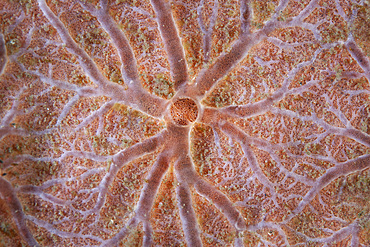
(184, 111)
(279, 154)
